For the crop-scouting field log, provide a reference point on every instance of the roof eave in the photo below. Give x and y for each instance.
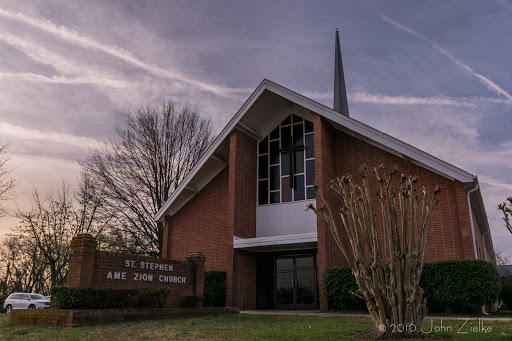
(210, 151)
(379, 138)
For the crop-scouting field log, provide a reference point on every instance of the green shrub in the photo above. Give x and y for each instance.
(450, 286)
(152, 298)
(460, 285)
(65, 297)
(338, 282)
(214, 288)
(506, 291)
(2, 299)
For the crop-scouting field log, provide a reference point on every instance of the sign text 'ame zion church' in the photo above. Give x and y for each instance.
(147, 277)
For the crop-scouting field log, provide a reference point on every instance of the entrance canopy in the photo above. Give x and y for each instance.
(277, 243)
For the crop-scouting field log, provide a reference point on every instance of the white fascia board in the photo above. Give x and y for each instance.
(373, 134)
(209, 152)
(243, 243)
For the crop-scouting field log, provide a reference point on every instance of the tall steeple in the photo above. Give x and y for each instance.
(340, 92)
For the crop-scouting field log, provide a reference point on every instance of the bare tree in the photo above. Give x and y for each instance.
(501, 259)
(21, 266)
(143, 165)
(46, 231)
(387, 269)
(507, 213)
(7, 183)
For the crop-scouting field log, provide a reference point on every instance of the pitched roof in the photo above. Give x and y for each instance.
(256, 117)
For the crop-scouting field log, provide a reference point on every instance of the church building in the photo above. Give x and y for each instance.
(244, 204)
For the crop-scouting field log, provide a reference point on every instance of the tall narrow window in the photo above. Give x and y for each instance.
(286, 162)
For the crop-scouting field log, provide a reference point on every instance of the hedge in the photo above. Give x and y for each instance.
(460, 285)
(214, 288)
(506, 291)
(2, 299)
(65, 297)
(337, 284)
(450, 286)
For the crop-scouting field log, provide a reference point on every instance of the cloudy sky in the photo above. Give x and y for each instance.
(435, 74)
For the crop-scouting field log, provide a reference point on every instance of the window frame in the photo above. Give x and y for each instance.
(293, 121)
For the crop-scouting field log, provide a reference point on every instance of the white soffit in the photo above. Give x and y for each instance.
(211, 164)
(306, 240)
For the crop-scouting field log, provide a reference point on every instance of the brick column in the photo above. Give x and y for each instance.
(81, 260)
(325, 170)
(196, 261)
(241, 213)
(166, 251)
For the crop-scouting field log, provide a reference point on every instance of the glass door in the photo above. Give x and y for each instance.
(296, 282)
(285, 277)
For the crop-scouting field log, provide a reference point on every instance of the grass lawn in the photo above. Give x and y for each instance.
(240, 327)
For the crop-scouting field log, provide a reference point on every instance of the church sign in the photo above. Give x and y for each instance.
(89, 267)
(160, 269)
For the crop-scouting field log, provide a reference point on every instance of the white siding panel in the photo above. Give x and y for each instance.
(285, 219)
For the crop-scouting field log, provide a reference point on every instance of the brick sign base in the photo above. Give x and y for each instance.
(76, 318)
(89, 267)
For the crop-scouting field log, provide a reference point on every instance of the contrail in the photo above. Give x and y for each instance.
(73, 37)
(486, 81)
(41, 55)
(364, 97)
(37, 78)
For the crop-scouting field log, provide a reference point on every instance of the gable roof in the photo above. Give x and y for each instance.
(255, 117)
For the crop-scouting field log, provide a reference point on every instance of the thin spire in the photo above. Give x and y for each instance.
(340, 92)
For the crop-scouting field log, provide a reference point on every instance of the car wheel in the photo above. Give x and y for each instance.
(31, 306)
(8, 309)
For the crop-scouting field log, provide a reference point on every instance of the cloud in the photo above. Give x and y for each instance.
(87, 74)
(37, 135)
(496, 183)
(484, 80)
(76, 38)
(365, 97)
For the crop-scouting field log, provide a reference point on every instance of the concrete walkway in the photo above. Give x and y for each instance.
(321, 313)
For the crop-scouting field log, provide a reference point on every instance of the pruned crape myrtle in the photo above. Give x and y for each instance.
(387, 269)
(507, 213)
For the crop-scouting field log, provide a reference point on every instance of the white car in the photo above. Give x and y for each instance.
(25, 301)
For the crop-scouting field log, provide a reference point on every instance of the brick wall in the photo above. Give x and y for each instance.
(201, 225)
(69, 318)
(225, 207)
(450, 236)
(89, 267)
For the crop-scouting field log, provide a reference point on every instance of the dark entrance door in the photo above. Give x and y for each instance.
(295, 282)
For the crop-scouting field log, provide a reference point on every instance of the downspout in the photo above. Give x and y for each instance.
(485, 248)
(471, 220)
(473, 233)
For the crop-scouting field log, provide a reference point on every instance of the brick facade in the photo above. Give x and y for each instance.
(450, 236)
(226, 207)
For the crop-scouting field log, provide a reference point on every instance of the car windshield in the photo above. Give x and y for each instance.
(38, 297)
